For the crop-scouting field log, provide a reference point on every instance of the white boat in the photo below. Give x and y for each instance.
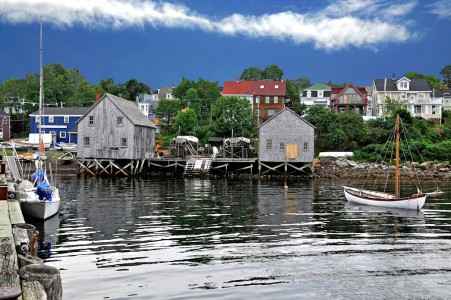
(40, 198)
(393, 200)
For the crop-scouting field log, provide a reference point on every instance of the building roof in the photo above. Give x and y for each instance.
(318, 87)
(128, 108)
(131, 111)
(62, 111)
(440, 93)
(285, 110)
(416, 84)
(257, 87)
(336, 92)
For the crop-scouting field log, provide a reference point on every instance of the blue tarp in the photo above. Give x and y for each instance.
(38, 175)
(44, 192)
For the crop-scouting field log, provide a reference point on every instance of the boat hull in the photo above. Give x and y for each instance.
(40, 209)
(414, 202)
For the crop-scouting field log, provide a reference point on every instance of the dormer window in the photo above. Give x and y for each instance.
(276, 86)
(262, 86)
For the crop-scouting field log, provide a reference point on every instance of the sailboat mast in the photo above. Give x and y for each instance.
(41, 87)
(397, 159)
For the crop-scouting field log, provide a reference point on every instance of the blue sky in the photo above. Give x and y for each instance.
(159, 42)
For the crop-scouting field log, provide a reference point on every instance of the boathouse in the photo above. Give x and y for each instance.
(286, 144)
(114, 134)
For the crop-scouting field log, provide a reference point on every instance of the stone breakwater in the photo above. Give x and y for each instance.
(328, 167)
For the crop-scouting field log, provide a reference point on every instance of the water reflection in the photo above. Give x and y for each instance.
(181, 238)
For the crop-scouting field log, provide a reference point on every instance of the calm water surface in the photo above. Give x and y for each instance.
(229, 239)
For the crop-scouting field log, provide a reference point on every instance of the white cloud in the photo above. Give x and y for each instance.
(343, 23)
(441, 8)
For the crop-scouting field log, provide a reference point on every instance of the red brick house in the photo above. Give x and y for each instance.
(266, 96)
(349, 97)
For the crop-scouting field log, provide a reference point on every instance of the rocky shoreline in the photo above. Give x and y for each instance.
(342, 168)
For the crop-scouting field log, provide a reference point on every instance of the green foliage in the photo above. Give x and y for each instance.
(394, 105)
(433, 81)
(166, 110)
(185, 122)
(252, 73)
(181, 90)
(292, 93)
(232, 114)
(299, 108)
(446, 73)
(272, 72)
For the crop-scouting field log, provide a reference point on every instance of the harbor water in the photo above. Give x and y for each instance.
(176, 238)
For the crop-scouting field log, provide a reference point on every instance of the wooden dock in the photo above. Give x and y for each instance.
(22, 274)
(221, 167)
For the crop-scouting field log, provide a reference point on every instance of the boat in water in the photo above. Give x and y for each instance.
(66, 158)
(383, 198)
(39, 199)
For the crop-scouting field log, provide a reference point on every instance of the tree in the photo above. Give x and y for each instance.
(301, 83)
(166, 109)
(272, 72)
(185, 122)
(446, 73)
(433, 81)
(252, 73)
(292, 93)
(232, 115)
(180, 91)
(393, 105)
(134, 88)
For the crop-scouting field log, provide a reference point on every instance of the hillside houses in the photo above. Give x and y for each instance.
(415, 93)
(267, 97)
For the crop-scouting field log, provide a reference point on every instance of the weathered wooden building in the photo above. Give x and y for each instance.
(286, 140)
(115, 129)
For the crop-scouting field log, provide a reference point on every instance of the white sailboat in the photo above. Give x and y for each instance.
(378, 198)
(40, 198)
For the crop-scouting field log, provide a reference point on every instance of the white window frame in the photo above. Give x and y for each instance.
(268, 144)
(66, 119)
(51, 119)
(123, 142)
(86, 141)
(276, 99)
(91, 120)
(62, 134)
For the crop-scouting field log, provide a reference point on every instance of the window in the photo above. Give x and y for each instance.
(417, 109)
(267, 99)
(305, 146)
(276, 86)
(123, 142)
(314, 94)
(119, 121)
(276, 99)
(281, 146)
(66, 119)
(51, 119)
(91, 120)
(434, 110)
(268, 144)
(257, 99)
(63, 134)
(270, 112)
(404, 84)
(86, 141)
(420, 96)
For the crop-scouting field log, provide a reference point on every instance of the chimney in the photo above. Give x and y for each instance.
(393, 76)
(97, 96)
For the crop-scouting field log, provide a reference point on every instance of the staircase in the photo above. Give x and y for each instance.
(197, 167)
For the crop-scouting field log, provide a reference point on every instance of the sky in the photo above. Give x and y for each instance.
(160, 42)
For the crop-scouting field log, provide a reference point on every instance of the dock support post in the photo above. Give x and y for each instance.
(41, 280)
